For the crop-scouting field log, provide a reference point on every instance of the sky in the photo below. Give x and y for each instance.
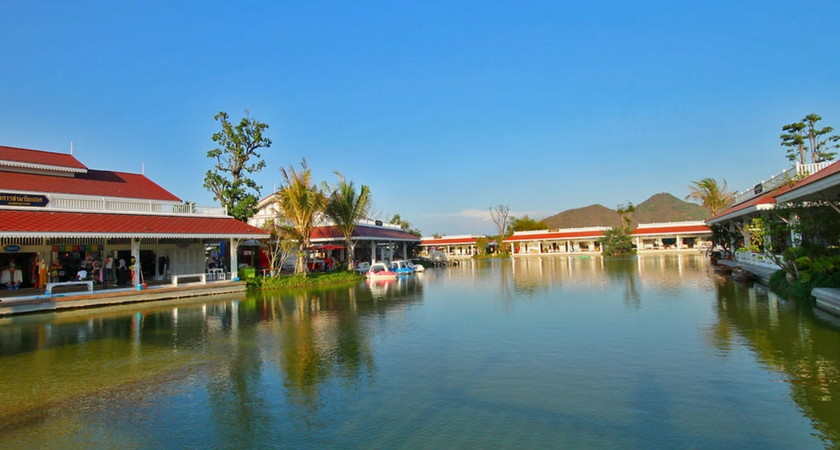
(444, 109)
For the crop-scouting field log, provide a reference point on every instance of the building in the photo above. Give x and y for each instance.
(455, 246)
(57, 216)
(372, 239)
(648, 237)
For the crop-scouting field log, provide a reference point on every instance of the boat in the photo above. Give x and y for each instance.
(379, 271)
(417, 267)
(363, 267)
(401, 267)
(739, 274)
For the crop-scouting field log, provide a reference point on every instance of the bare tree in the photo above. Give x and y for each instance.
(500, 215)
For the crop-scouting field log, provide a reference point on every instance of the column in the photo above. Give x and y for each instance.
(135, 253)
(679, 242)
(234, 258)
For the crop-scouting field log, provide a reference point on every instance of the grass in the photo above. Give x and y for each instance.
(300, 281)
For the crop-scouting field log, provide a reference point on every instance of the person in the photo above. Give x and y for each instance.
(12, 276)
(122, 273)
(82, 274)
(109, 268)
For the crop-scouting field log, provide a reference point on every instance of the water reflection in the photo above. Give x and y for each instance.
(622, 351)
(790, 339)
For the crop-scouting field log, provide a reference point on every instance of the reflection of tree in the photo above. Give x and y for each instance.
(624, 270)
(789, 339)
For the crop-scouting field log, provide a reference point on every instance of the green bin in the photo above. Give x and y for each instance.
(247, 272)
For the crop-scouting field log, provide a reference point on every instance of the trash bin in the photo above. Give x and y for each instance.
(247, 272)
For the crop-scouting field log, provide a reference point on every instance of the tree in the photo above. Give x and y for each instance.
(405, 225)
(500, 215)
(300, 201)
(525, 224)
(280, 244)
(345, 207)
(804, 137)
(617, 241)
(230, 182)
(819, 139)
(710, 194)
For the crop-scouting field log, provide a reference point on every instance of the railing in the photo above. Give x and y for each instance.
(758, 259)
(113, 205)
(778, 180)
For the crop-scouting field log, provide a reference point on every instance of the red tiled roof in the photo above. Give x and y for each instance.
(448, 241)
(68, 223)
(825, 173)
(363, 232)
(672, 230)
(766, 199)
(39, 157)
(94, 182)
(558, 235)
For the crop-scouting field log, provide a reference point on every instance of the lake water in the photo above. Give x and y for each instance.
(552, 352)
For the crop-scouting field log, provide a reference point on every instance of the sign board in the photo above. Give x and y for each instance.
(759, 188)
(12, 248)
(9, 199)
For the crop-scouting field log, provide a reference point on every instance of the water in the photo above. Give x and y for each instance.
(553, 352)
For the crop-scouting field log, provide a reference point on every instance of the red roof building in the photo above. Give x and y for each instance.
(57, 216)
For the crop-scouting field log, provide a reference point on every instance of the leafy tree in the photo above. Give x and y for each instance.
(804, 137)
(405, 225)
(345, 207)
(500, 215)
(525, 224)
(481, 246)
(300, 201)
(230, 182)
(617, 241)
(710, 194)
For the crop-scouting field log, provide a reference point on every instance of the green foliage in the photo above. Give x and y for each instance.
(229, 181)
(481, 246)
(804, 138)
(710, 194)
(299, 201)
(789, 286)
(302, 280)
(345, 206)
(405, 225)
(525, 224)
(617, 241)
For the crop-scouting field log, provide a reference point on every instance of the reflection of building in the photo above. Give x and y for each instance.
(57, 214)
(673, 236)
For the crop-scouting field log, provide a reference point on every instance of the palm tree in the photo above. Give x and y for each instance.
(345, 207)
(708, 193)
(300, 200)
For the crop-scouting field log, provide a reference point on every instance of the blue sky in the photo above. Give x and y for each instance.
(443, 108)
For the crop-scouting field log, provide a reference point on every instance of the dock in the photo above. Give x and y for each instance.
(34, 300)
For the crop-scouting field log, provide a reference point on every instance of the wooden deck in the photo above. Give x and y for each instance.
(27, 301)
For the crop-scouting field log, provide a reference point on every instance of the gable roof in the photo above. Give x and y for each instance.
(25, 158)
(95, 182)
(362, 233)
(824, 184)
(70, 224)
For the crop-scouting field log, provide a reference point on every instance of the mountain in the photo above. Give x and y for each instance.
(659, 208)
(589, 216)
(665, 207)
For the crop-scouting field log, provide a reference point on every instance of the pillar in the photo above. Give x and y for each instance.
(234, 258)
(135, 253)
